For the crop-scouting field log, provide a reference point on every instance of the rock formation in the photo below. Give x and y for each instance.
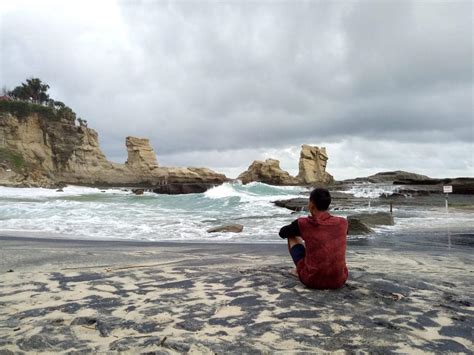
(268, 172)
(227, 228)
(390, 177)
(141, 155)
(357, 227)
(419, 185)
(374, 219)
(312, 166)
(312, 170)
(37, 151)
(294, 204)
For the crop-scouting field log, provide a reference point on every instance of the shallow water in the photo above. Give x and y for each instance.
(90, 213)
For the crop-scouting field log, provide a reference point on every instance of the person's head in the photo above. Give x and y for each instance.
(319, 200)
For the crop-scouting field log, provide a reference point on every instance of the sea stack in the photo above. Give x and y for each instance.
(140, 154)
(312, 170)
(312, 166)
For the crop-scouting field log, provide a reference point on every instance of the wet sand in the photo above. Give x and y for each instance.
(89, 296)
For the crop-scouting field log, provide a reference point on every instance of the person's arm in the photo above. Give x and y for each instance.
(291, 230)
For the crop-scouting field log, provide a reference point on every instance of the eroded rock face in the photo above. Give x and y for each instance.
(140, 154)
(268, 172)
(26, 138)
(312, 170)
(312, 166)
(59, 152)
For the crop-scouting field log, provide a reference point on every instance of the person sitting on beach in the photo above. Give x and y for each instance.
(317, 244)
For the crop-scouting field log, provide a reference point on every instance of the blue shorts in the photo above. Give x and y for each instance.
(297, 252)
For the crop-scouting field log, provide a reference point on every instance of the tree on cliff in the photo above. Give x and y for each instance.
(32, 97)
(34, 89)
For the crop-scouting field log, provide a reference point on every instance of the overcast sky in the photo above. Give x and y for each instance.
(384, 85)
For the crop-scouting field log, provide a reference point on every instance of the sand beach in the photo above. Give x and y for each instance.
(404, 295)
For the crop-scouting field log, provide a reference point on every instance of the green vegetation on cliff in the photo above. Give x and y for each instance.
(32, 98)
(11, 159)
(34, 89)
(23, 109)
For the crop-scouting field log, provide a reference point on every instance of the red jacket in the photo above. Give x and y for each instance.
(324, 264)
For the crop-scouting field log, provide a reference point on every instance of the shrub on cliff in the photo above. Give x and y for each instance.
(32, 98)
(23, 109)
(11, 159)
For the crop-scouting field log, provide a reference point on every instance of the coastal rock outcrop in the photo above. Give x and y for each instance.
(390, 177)
(357, 227)
(418, 184)
(140, 154)
(312, 166)
(362, 223)
(25, 139)
(44, 152)
(312, 170)
(268, 172)
(374, 219)
(294, 204)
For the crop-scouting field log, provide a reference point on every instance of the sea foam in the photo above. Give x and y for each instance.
(371, 190)
(88, 213)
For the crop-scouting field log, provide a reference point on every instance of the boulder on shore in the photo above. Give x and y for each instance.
(360, 224)
(138, 191)
(268, 172)
(294, 204)
(357, 227)
(228, 228)
(374, 219)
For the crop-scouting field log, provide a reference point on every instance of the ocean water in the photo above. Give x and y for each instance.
(118, 214)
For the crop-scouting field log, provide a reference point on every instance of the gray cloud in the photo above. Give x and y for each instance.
(213, 79)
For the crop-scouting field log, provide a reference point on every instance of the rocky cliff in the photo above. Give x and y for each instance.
(312, 170)
(37, 151)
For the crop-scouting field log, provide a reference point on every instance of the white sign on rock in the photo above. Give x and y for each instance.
(447, 189)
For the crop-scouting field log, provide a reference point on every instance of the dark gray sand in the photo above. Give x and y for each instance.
(81, 296)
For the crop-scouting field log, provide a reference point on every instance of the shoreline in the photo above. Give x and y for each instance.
(96, 296)
(34, 251)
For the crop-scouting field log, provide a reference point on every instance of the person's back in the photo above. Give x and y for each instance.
(317, 244)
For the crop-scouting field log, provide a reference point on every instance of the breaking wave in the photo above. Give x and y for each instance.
(372, 190)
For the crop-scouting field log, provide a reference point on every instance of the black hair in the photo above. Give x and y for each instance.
(321, 198)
